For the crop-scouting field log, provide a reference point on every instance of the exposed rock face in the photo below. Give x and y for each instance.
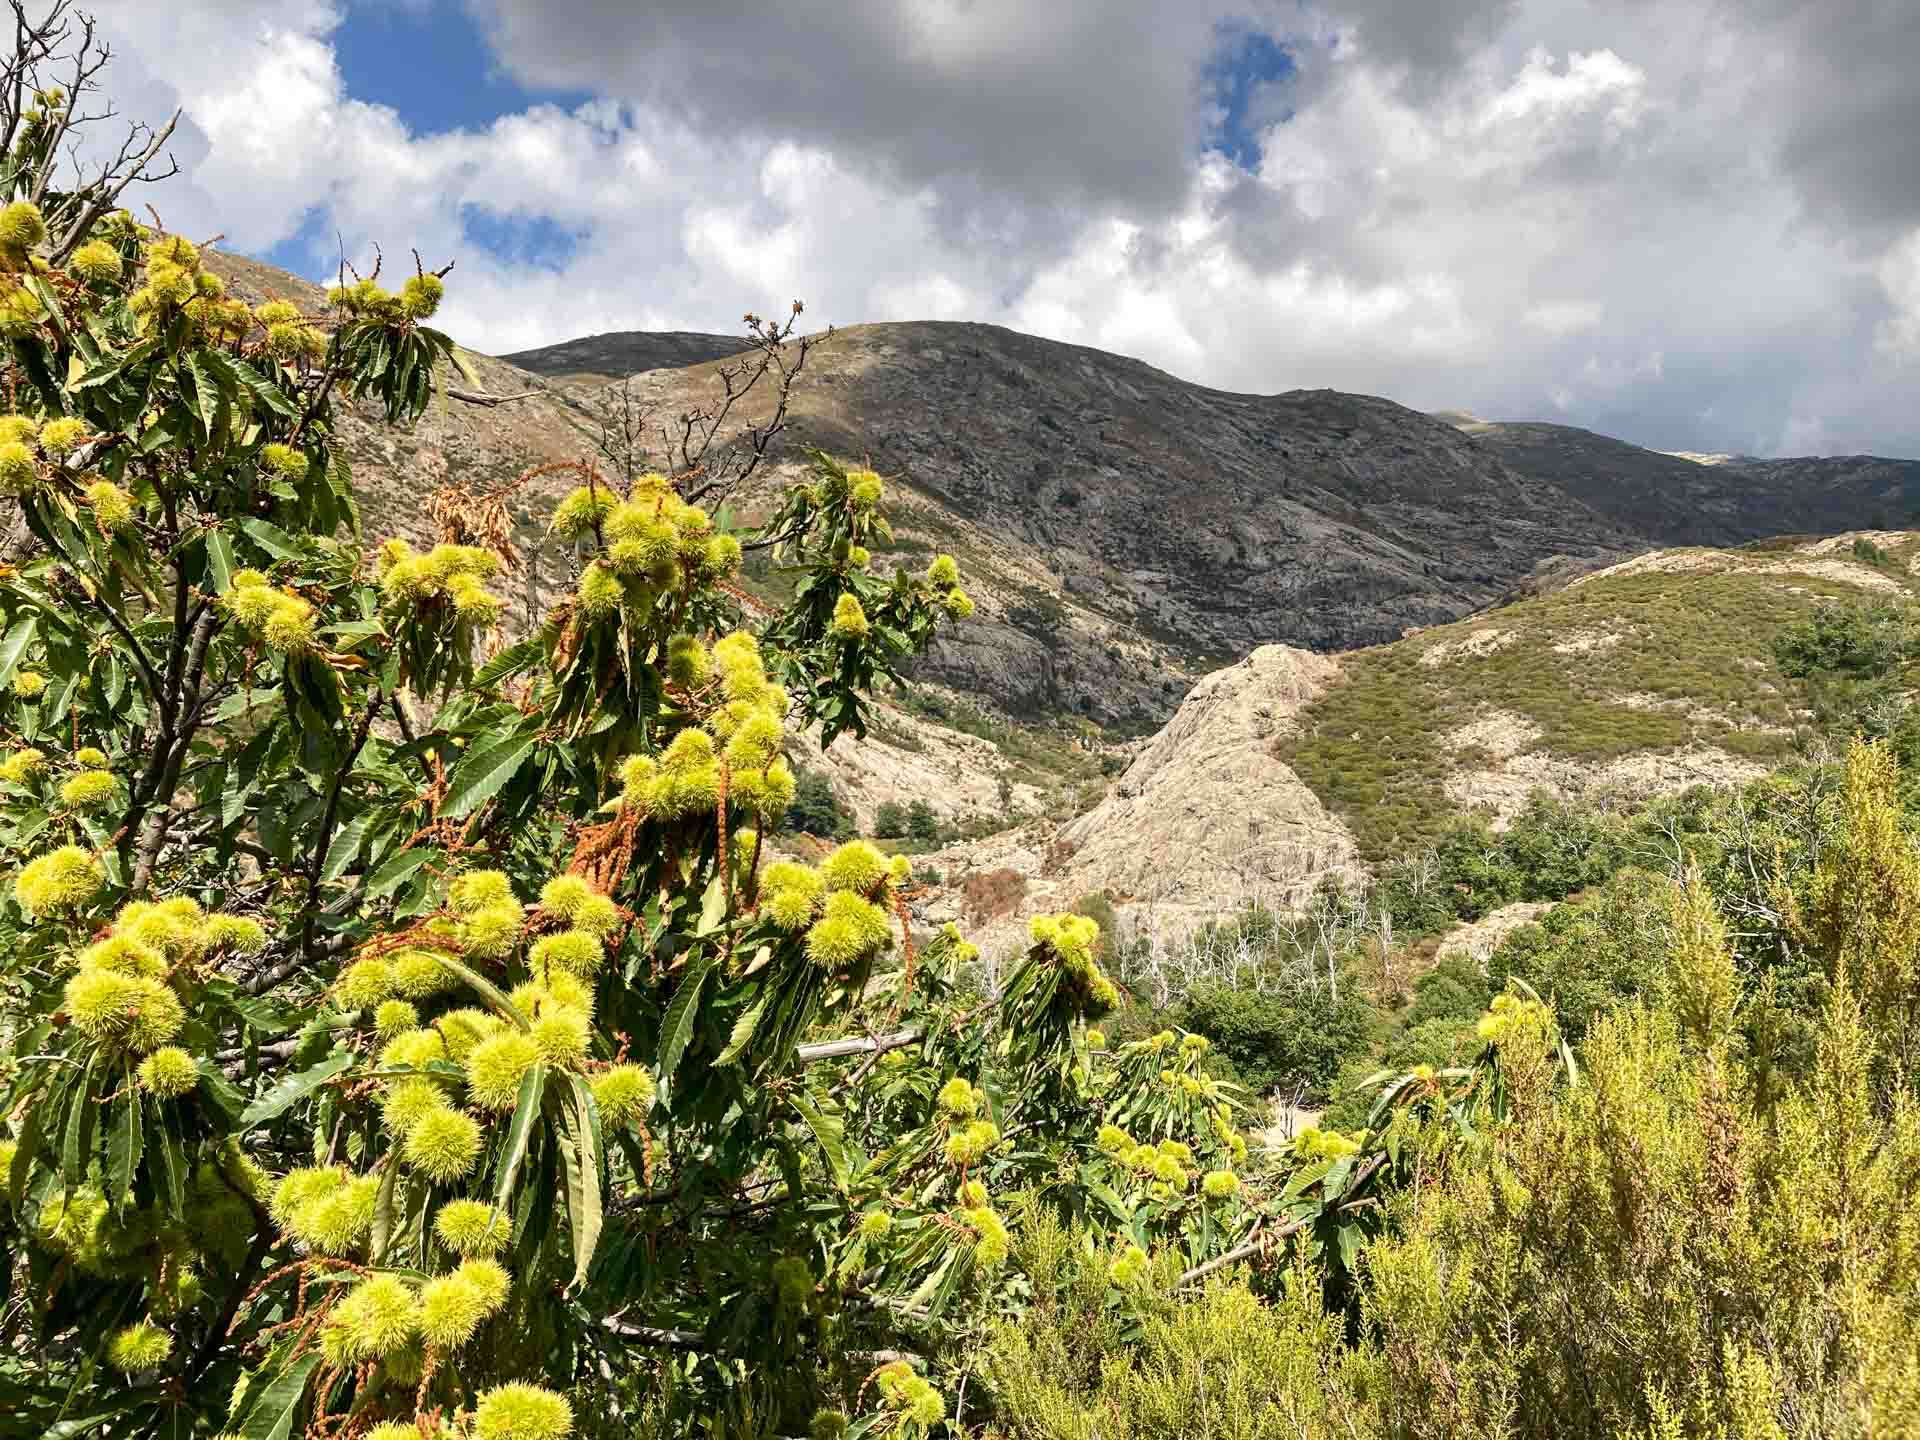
(1204, 821)
(1104, 508)
(905, 758)
(1207, 811)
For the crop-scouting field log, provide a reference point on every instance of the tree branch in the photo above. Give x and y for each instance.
(860, 1045)
(1253, 1247)
(473, 397)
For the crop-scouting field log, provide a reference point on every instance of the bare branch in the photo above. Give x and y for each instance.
(473, 397)
(860, 1045)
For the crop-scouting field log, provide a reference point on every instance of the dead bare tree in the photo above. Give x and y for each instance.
(50, 97)
(711, 450)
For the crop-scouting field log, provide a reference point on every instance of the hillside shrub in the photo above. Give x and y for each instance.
(988, 894)
(922, 823)
(1670, 1239)
(1589, 956)
(1864, 640)
(1455, 989)
(816, 809)
(890, 821)
(1282, 1039)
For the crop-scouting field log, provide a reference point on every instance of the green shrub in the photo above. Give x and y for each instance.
(816, 809)
(922, 823)
(1281, 1040)
(1863, 640)
(1589, 956)
(890, 821)
(1455, 989)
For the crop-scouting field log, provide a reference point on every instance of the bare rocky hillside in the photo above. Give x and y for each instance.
(1123, 531)
(1128, 530)
(1642, 679)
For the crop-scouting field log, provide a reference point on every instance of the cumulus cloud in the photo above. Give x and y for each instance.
(1692, 223)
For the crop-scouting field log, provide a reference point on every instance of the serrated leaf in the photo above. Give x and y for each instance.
(238, 703)
(584, 1210)
(270, 538)
(508, 663)
(14, 646)
(220, 559)
(743, 1031)
(32, 1141)
(1349, 1241)
(125, 1141)
(261, 388)
(221, 1092)
(396, 870)
(526, 1111)
(485, 771)
(713, 906)
(167, 1162)
(76, 1138)
(345, 848)
(830, 1134)
(272, 1414)
(291, 1091)
(206, 389)
(676, 1029)
(465, 367)
(383, 1210)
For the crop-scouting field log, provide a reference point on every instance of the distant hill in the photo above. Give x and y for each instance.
(620, 353)
(1128, 530)
(1676, 499)
(1288, 768)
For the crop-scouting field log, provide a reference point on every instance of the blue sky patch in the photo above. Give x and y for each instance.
(1247, 64)
(429, 61)
(519, 238)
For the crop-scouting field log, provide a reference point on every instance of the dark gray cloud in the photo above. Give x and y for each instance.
(1073, 101)
(1430, 38)
(1848, 101)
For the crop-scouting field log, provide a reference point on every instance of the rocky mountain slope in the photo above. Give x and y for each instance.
(625, 352)
(1677, 500)
(1124, 531)
(1128, 529)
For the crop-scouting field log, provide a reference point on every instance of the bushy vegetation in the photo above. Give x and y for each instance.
(1686, 1234)
(816, 809)
(410, 1031)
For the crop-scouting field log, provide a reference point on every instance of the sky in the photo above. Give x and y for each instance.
(1694, 224)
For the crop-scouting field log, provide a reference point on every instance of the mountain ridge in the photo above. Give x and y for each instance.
(1123, 531)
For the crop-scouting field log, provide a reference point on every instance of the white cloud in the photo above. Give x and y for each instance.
(1629, 216)
(1899, 275)
(1564, 317)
